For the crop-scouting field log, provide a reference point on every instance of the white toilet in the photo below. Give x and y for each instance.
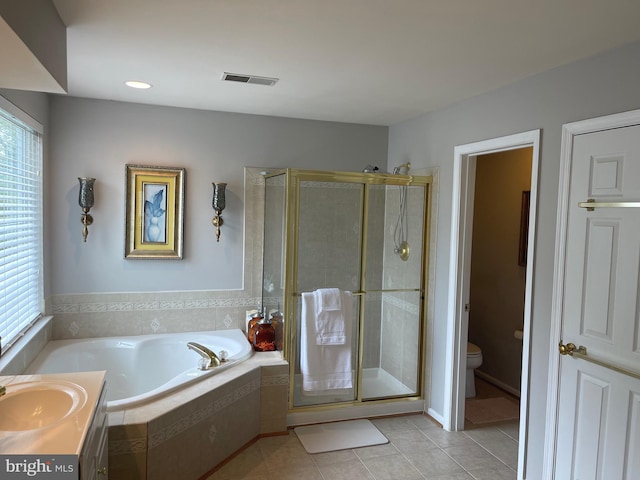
(474, 360)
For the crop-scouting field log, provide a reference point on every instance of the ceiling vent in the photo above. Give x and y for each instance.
(254, 79)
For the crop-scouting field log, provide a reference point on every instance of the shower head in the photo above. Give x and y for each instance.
(402, 169)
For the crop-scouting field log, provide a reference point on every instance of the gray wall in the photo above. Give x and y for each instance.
(97, 138)
(598, 86)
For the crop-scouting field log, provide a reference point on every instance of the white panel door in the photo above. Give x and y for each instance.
(598, 430)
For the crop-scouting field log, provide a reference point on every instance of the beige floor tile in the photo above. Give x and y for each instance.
(503, 473)
(328, 458)
(512, 429)
(392, 467)
(297, 474)
(473, 458)
(450, 476)
(376, 451)
(445, 439)
(250, 476)
(423, 422)
(288, 457)
(411, 441)
(351, 470)
(505, 451)
(393, 424)
(418, 450)
(488, 434)
(434, 463)
(247, 464)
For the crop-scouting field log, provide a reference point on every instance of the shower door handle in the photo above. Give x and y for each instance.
(355, 294)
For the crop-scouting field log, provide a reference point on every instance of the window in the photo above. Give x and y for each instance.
(21, 292)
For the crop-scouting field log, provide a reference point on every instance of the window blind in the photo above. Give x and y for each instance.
(21, 291)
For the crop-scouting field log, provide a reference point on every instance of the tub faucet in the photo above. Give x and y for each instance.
(205, 353)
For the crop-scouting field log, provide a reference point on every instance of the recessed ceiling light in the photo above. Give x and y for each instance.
(136, 84)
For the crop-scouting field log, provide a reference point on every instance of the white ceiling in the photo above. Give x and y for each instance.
(363, 61)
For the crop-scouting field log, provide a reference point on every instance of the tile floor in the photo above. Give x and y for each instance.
(418, 449)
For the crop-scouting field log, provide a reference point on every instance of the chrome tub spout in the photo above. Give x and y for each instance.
(205, 353)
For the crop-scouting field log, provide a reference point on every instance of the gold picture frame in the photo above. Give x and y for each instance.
(154, 212)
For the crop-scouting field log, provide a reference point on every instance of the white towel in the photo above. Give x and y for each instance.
(326, 369)
(329, 317)
(327, 299)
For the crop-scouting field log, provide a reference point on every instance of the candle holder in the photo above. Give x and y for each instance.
(85, 200)
(218, 204)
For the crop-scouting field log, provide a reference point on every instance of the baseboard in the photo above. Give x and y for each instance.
(436, 416)
(498, 383)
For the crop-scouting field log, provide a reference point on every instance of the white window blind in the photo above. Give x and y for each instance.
(21, 292)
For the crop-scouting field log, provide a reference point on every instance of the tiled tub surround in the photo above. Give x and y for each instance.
(186, 434)
(190, 431)
(119, 314)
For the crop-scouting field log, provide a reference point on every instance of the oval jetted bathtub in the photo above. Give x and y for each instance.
(144, 367)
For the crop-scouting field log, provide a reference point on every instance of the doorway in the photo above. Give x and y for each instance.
(497, 284)
(465, 162)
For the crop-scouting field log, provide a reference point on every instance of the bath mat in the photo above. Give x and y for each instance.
(486, 410)
(327, 437)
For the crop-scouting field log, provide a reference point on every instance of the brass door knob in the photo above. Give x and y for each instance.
(567, 349)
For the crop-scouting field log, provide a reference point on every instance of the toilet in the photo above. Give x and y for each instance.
(474, 360)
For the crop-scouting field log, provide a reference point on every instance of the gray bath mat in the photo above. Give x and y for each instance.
(327, 437)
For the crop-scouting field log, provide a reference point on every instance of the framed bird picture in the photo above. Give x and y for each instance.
(154, 212)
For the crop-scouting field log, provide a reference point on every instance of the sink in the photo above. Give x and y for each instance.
(33, 405)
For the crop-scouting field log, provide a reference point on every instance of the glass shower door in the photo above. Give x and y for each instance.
(392, 331)
(329, 240)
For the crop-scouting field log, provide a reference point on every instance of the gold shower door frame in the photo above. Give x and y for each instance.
(294, 177)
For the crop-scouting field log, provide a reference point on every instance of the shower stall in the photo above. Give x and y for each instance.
(364, 233)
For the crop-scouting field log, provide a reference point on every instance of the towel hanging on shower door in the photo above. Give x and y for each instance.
(329, 321)
(326, 367)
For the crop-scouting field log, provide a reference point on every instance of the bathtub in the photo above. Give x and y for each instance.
(141, 368)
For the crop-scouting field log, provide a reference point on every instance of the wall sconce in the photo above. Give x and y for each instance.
(218, 204)
(85, 200)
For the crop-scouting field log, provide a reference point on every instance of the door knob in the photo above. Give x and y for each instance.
(570, 348)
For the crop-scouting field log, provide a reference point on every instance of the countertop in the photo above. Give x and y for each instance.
(65, 437)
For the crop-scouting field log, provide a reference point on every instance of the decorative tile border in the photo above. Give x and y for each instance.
(275, 380)
(78, 307)
(197, 416)
(128, 446)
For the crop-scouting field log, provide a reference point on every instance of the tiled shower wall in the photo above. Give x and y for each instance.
(401, 311)
(330, 249)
